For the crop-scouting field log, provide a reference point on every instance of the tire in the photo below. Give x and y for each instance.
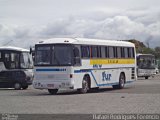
(24, 87)
(53, 91)
(85, 86)
(17, 86)
(146, 77)
(121, 82)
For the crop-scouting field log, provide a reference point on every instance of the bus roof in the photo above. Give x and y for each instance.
(140, 54)
(86, 41)
(13, 48)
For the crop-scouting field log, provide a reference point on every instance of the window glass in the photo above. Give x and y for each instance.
(26, 60)
(99, 52)
(126, 52)
(115, 52)
(85, 52)
(119, 52)
(129, 52)
(103, 52)
(133, 53)
(94, 52)
(43, 55)
(111, 52)
(122, 53)
(14, 60)
(61, 55)
(107, 52)
(76, 52)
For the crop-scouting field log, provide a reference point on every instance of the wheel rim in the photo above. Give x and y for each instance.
(17, 86)
(122, 80)
(85, 85)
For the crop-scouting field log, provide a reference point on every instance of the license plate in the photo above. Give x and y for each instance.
(50, 85)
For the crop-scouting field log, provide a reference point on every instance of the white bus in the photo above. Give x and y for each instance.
(145, 65)
(16, 67)
(82, 64)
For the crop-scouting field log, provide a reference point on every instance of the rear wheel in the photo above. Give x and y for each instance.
(85, 86)
(17, 86)
(121, 82)
(53, 91)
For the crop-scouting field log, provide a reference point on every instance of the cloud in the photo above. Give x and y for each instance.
(109, 27)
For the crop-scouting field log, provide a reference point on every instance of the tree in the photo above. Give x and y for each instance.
(157, 52)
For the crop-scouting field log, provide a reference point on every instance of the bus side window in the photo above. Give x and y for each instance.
(85, 52)
(106, 52)
(76, 52)
(133, 54)
(119, 52)
(7, 60)
(94, 52)
(126, 52)
(115, 52)
(111, 52)
(103, 52)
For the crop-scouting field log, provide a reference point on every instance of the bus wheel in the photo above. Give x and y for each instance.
(17, 86)
(85, 86)
(25, 87)
(121, 82)
(53, 91)
(146, 77)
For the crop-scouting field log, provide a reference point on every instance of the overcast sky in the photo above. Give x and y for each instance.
(25, 22)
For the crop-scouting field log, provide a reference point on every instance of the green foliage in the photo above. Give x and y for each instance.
(147, 50)
(141, 48)
(157, 52)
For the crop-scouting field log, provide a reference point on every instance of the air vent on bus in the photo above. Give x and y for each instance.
(133, 73)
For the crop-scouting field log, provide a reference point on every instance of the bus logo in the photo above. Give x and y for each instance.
(106, 77)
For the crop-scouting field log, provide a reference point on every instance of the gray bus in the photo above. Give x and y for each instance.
(16, 68)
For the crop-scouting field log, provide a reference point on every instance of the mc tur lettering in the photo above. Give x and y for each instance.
(106, 77)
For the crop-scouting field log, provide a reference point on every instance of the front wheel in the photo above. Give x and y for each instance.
(53, 91)
(85, 86)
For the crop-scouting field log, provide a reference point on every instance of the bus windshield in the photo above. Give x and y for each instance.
(146, 62)
(56, 55)
(26, 60)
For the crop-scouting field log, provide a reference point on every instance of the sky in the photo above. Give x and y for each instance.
(25, 22)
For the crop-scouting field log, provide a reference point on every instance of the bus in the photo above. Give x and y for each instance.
(83, 64)
(16, 68)
(145, 65)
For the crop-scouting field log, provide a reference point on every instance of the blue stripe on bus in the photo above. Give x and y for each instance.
(47, 70)
(107, 84)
